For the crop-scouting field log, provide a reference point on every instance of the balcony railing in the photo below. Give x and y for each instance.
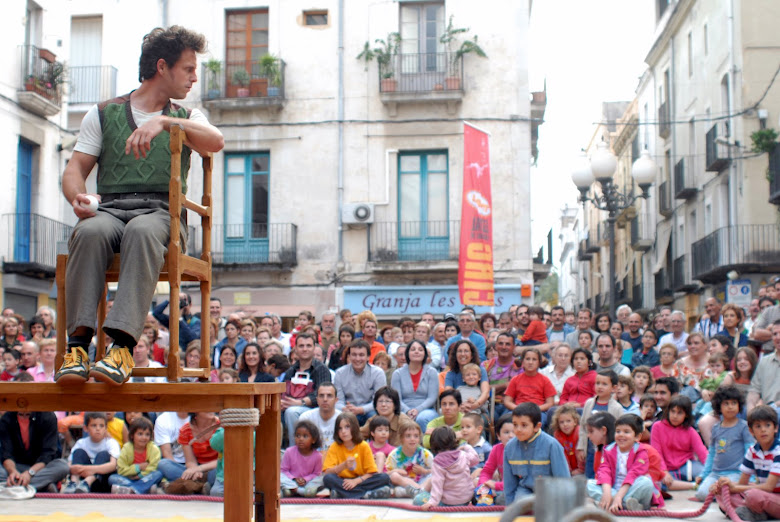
(744, 248)
(393, 241)
(639, 242)
(249, 244)
(33, 241)
(584, 254)
(42, 76)
(684, 187)
(591, 246)
(663, 285)
(245, 79)
(717, 153)
(422, 73)
(664, 127)
(91, 83)
(774, 176)
(665, 199)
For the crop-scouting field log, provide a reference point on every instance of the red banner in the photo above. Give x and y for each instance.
(475, 265)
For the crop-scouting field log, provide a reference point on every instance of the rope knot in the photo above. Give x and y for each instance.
(239, 417)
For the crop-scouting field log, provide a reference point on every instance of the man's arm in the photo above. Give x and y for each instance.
(166, 451)
(74, 186)
(201, 137)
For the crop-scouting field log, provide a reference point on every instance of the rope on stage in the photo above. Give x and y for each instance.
(239, 417)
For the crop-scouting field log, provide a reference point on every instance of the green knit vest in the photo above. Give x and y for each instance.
(121, 173)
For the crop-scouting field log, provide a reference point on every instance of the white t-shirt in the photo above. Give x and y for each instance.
(90, 139)
(166, 431)
(93, 448)
(622, 467)
(326, 427)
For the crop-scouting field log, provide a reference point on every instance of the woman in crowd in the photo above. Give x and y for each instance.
(250, 365)
(693, 365)
(626, 351)
(602, 322)
(452, 329)
(667, 367)
(733, 317)
(232, 339)
(560, 370)
(487, 322)
(248, 330)
(12, 334)
(335, 356)
(228, 358)
(417, 384)
(648, 356)
(387, 404)
(461, 353)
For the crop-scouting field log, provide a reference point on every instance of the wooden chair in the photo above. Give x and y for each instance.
(178, 267)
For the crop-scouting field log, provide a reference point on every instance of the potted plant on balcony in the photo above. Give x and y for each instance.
(271, 69)
(455, 55)
(241, 78)
(385, 53)
(214, 68)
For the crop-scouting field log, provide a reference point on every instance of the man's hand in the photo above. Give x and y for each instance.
(14, 479)
(83, 212)
(288, 402)
(77, 469)
(140, 141)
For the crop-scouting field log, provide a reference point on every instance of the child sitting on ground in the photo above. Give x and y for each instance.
(490, 486)
(470, 388)
(712, 378)
(606, 381)
(227, 375)
(600, 429)
(117, 428)
(450, 483)
(757, 500)
(647, 410)
(731, 439)
(379, 433)
(622, 480)
(409, 464)
(93, 458)
(530, 454)
(137, 463)
(624, 394)
(677, 442)
(471, 427)
(565, 428)
(301, 468)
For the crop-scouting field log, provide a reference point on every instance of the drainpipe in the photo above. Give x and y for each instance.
(165, 13)
(732, 79)
(340, 117)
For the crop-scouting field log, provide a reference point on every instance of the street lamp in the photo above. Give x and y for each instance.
(601, 168)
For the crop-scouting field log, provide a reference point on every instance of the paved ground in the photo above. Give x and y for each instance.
(139, 509)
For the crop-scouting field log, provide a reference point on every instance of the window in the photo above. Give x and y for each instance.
(246, 41)
(422, 24)
(423, 205)
(246, 207)
(24, 185)
(315, 18)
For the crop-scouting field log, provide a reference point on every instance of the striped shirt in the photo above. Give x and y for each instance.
(762, 463)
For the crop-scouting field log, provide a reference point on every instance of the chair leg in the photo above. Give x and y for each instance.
(62, 334)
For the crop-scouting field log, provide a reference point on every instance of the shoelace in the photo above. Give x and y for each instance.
(121, 357)
(73, 358)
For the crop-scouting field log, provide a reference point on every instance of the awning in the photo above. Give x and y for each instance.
(661, 246)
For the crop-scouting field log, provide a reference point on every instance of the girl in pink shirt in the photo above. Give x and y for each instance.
(491, 478)
(451, 483)
(678, 444)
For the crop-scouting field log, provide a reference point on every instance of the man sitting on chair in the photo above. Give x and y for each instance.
(128, 139)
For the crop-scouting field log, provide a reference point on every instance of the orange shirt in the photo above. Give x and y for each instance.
(376, 347)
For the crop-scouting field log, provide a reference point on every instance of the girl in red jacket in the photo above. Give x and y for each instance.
(565, 427)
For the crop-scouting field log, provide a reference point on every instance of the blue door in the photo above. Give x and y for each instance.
(423, 207)
(246, 208)
(23, 201)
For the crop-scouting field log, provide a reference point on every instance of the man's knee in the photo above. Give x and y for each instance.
(141, 229)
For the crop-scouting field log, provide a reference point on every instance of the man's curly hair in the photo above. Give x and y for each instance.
(167, 44)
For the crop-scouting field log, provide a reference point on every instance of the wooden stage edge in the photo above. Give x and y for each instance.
(241, 500)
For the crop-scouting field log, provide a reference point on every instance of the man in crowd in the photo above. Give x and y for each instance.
(666, 315)
(29, 355)
(278, 334)
(762, 329)
(189, 325)
(522, 320)
(634, 334)
(678, 336)
(666, 388)
(324, 415)
(436, 345)
(608, 355)
(427, 317)
(752, 315)
(765, 386)
(466, 322)
(357, 382)
(504, 321)
(711, 322)
(310, 370)
(558, 330)
(328, 334)
(623, 312)
(369, 335)
(215, 312)
(501, 369)
(166, 436)
(584, 320)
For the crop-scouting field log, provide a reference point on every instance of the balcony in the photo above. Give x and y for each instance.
(242, 86)
(639, 243)
(249, 246)
(664, 126)
(422, 78)
(663, 290)
(414, 244)
(591, 246)
(42, 79)
(681, 280)
(774, 176)
(583, 253)
(32, 244)
(744, 248)
(717, 153)
(90, 84)
(684, 188)
(637, 297)
(621, 291)
(665, 199)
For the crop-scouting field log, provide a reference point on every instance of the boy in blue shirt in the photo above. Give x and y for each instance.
(530, 454)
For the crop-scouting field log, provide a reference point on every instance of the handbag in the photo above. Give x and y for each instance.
(299, 386)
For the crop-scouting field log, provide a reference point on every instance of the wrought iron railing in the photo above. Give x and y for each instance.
(422, 72)
(91, 83)
(684, 186)
(727, 247)
(42, 74)
(243, 79)
(774, 176)
(664, 127)
(249, 244)
(392, 241)
(35, 239)
(717, 156)
(665, 199)
(680, 277)
(663, 284)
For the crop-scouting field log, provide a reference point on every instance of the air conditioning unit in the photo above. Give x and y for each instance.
(357, 213)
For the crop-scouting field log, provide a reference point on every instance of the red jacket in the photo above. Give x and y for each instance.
(579, 389)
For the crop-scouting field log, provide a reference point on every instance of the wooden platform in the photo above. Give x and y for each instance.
(191, 397)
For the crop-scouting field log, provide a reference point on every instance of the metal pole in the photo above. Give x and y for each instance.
(611, 267)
